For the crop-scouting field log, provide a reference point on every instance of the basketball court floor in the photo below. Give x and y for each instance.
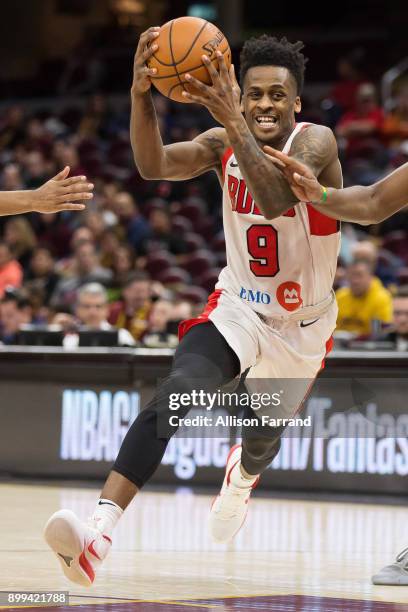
(291, 555)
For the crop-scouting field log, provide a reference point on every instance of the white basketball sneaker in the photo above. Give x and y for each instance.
(394, 574)
(79, 546)
(230, 507)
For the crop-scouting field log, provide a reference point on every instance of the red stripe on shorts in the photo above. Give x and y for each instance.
(329, 348)
(212, 302)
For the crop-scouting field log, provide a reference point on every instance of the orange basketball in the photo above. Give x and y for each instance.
(182, 42)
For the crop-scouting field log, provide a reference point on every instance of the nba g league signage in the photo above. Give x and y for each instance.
(343, 448)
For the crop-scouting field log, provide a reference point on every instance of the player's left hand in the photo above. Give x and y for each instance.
(301, 179)
(62, 193)
(222, 99)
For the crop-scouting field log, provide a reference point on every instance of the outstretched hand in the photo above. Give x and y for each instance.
(222, 98)
(301, 179)
(62, 193)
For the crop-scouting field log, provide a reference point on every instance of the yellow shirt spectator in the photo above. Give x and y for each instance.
(365, 306)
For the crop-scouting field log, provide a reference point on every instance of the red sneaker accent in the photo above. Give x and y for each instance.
(93, 551)
(232, 450)
(107, 538)
(86, 566)
(228, 458)
(229, 472)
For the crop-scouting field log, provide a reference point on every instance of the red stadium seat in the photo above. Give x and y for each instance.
(119, 153)
(193, 208)
(197, 295)
(221, 259)
(208, 280)
(89, 148)
(154, 204)
(205, 227)
(199, 262)
(218, 242)
(402, 276)
(174, 276)
(193, 241)
(159, 261)
(181, 225)
(397, 243)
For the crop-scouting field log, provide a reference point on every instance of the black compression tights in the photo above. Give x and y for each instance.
(203, 356)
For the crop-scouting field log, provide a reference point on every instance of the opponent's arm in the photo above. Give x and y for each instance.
(364, 205)
(58, 194)
(177, 161)
(316, 146)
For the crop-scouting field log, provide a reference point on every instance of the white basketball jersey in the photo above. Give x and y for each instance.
(276, 266)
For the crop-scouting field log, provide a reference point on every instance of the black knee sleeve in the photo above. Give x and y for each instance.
(204, 361)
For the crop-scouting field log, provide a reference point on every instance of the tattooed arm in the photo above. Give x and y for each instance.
(315, 146)
(179, 161)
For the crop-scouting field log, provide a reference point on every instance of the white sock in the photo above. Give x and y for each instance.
(106, 514)
(238, 479)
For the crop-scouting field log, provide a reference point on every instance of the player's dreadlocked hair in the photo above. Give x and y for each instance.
(269, 51)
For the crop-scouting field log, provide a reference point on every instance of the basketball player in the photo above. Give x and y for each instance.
(57, 194)
(370, 204)
(273, 311)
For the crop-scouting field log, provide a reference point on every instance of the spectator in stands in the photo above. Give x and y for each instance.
(157, 334)
(399, 333)
(122, 265)
(162, 235)
(40, 276)
(11, 179)
(11, 272)
(132, 311)
(109, 244)
(20, 236)
(395, 127)
(350, 77)
(36, 171)
(15, 311)
(12, 127)
(66, 265)
(95, 221)
(365, 306)
(86, 270)
(182, 309)
(37, 138)
(95, 119)
(53, 231)
(359, 134)
(66, 154)
(135, 226)
(365, 250)
(91, 311)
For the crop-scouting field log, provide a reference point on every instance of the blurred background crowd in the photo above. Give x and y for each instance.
(145, 255)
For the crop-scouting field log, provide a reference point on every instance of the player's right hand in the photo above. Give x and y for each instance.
(301, 179)
(145, 49)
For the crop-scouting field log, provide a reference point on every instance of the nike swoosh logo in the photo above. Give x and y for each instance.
(101, 503)
(66, 559)
(303, 324)
(234, 165)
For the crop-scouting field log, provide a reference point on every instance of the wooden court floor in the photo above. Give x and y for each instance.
(290, 555)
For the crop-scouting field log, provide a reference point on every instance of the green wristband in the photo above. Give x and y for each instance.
(324, 195)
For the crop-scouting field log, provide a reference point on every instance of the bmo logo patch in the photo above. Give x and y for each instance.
(257, 297)
(289, 295)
